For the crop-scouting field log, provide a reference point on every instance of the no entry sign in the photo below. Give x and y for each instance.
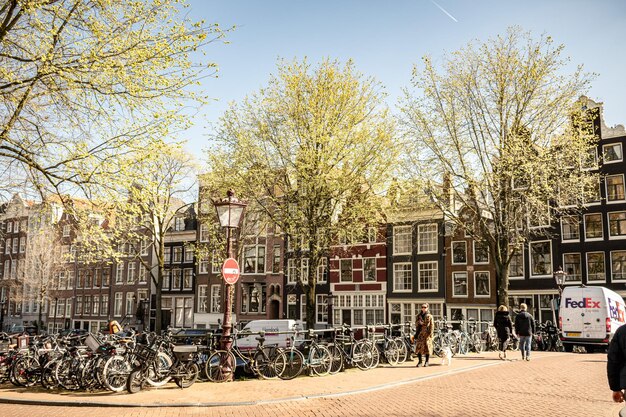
(230, 270)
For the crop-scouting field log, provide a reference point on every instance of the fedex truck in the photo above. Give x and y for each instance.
(589, 317)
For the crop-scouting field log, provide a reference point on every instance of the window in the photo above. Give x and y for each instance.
(117, 307)
(216, 266)
(187, 278)
(70, 280)
(569, 228)
(540, 258)
(615, 187)
(572, 267)
(459, 252)
(276, 259)
(79, 305)
(590, 160)
(459, 284)
(104, 311)
(322, 269)
(304, 270)
(106, 272)
(176, 279)
(593, 226)
(427, 276)
(143, 274)
(202, 299)
(292, 271)
(179, 224)
(204, 233)
(592, 192)
(617, 224)
(516, 266)
(402, 277)
(132, 269)
(345, 266)
(618, 265)
(188, 254)
(9, 227)
(178, 254)
(203, 268)
(87, 305)
(321, 308)
(23, 244)
(144, 246)
(7, 248)
(402, 241)
(66, 230)
(16, 242)
(167, 254)
(130, 304)
(215, 299)
(481, 284)
(596, 270)
(369, 269)
(612, 153)
(96, 305)
(371, 234)
(119, 273)
(254, 259)
(427, 238)
(481, 253)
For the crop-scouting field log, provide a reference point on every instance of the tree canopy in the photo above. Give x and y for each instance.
(501, 122)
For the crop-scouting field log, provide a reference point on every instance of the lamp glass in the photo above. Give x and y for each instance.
(229, 214)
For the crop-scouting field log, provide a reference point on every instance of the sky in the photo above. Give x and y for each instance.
(386, 38)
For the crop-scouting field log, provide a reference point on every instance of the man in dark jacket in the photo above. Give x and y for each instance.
(524, 327)
(616, 364)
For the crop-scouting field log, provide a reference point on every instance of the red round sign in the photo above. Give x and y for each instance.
(230, 270)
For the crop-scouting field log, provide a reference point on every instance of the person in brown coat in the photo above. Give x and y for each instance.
(425, 329)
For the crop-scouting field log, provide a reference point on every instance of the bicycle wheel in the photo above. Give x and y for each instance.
(26, 371)
(392, 352)
(190, 376)
(337, 364)
(364, 356)
(477, 343)
(135, 381)
(159, 371)
(320, 360)
(115, 373)
(438, 343)
(263, 364)
(404, 349)
(213, 367)
(289, 364)
(48, 378)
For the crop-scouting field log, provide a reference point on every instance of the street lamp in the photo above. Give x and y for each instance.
(2, 303)
(56, 307)
(229, 212)
(559, 279)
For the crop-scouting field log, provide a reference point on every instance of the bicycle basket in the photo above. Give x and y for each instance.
(145, 354)
(92, 343)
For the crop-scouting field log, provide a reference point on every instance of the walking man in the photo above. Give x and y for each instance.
(524, 327)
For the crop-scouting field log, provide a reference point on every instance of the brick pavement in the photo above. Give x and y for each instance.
(550, 385)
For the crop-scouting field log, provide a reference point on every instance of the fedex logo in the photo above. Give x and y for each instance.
(616, 310)
(584, 303)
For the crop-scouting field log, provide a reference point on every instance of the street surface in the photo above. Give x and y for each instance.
(551, 384)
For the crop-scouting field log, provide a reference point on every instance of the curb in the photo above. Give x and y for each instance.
(61, 403)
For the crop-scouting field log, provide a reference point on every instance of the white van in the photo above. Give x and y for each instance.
(589, 317)
(277, 332)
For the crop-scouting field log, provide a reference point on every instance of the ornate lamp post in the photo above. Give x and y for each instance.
(230, 212)
(559, 279)
(56, 307)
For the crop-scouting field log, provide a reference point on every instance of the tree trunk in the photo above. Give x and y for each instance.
(502, 282)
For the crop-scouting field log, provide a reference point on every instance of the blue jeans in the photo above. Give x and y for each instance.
(524, 345)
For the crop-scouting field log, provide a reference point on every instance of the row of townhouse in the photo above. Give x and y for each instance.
(381, 276)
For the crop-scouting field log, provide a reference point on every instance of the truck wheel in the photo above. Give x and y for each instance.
(568, 347)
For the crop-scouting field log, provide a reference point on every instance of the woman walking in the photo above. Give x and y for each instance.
(424, 335)
(504, 328)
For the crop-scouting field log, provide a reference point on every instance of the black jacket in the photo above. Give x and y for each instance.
(615, 366)
(524, 324)
(503, 325)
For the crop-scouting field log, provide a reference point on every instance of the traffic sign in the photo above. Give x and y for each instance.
(230, 270)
